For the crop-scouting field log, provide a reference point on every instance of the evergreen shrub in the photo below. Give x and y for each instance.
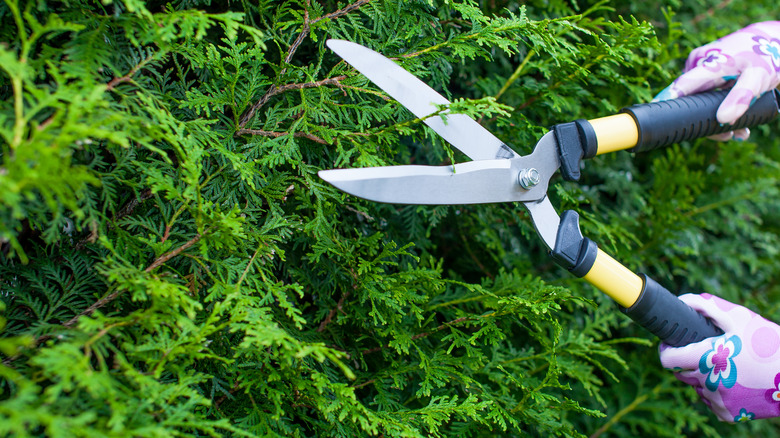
(173, 266)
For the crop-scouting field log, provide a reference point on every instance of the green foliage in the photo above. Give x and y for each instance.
(173, 266)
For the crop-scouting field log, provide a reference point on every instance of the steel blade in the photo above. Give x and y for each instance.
(459, 130)
(546, 220)
(475, 182)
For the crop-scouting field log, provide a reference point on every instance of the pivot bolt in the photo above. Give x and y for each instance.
(528, 178)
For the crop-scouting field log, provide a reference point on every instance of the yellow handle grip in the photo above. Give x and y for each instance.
(615, 133)
(641, 298)
(614, 279)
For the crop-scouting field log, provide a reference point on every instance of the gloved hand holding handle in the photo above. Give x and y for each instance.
(736, 374)
(748, 58)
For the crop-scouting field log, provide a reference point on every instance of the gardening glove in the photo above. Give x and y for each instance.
(736, 374)
(748, 59)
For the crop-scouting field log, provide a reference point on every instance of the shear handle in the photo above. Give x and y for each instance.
(653, 125)
(646, 302)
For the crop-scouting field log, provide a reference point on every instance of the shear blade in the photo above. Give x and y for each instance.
(475, 182)
(459, 130)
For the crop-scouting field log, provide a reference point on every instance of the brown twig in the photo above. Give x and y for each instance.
(307, 22)
(129, 76)
(222, 399)
(474, 257)
(166, 233)
(364, 384)
(332, 313)
(329, 81)
(634, 405)
(343, 11)
(113, 295)
(358, 212)
(46, 122)
(124, 211)
(275, 134)
(340, 304)
(302, 36)
(169, 255)
(274, 90)
(133, 203)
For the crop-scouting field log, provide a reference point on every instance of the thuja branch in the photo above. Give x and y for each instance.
(111, 296)
(169, 255)
(306, 29)
(114, 294)
(124, 211)
(274, 90)
(128, 77)
(333, 311)
(340, 304)
(16, 77)
(544, 24)
(424, 334)
(516, 74)
(274, 134)
(558, 84)
(628, 409)
(711, 11)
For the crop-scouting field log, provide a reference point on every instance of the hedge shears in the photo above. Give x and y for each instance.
(499, 174)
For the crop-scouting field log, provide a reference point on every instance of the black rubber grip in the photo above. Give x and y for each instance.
(664, 315)
(686, 118)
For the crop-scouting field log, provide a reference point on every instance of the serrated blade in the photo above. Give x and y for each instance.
(459, 130)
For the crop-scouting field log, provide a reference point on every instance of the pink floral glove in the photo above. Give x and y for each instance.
(748, 58)
(736, 374)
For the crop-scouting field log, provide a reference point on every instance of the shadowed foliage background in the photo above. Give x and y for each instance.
(172, 265)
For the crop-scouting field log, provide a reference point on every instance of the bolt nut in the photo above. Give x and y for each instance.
(528, 178)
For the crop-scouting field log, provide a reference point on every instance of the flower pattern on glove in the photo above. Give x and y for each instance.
(768, 47)
(744, 415)
(718, 363)
(713, 60)
(737, 374)
(747, 62)
(773, 394)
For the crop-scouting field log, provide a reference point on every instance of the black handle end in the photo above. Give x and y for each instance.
(573, 251)
(689, 117)
(576, 140)
(664, 315)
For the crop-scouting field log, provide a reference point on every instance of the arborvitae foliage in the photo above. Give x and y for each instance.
(172, 265)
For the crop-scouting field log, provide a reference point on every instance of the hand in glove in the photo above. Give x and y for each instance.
(748, 58)
(736, 374)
